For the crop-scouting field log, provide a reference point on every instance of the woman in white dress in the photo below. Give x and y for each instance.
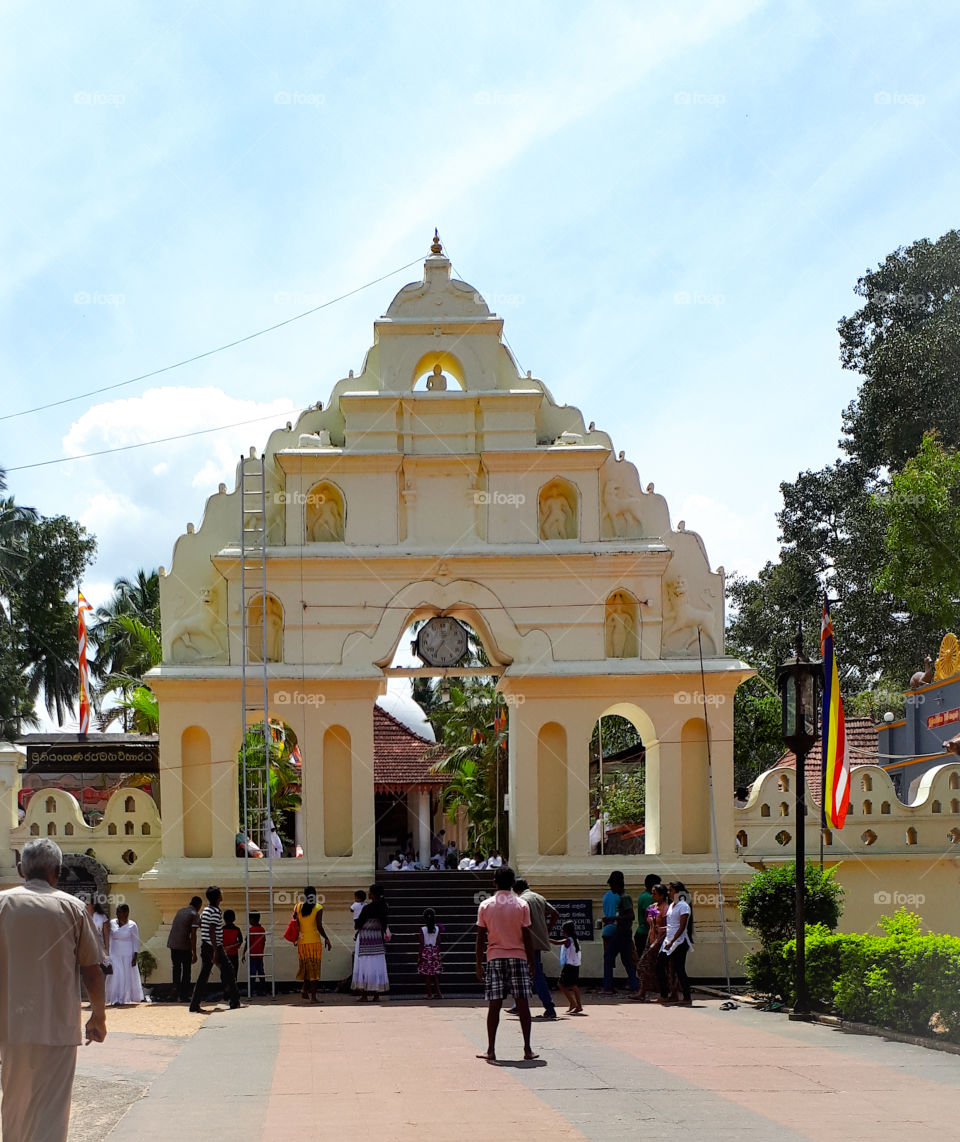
(124, 985)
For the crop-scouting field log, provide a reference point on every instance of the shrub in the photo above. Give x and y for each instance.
(147, 963)
(902, 980)
(767, 908)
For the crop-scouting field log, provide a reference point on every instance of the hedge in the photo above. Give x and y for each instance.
(902, 980)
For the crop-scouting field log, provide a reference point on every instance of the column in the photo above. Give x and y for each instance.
(424, 826)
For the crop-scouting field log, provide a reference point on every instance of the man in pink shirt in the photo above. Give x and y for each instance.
(505, 941)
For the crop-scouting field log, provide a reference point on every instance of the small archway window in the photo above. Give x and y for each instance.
(935, 807)
(145, 829)
(955, 805)
(34, 830)
(51, 804)
(827, 836)
(911, 836)
(955, 780)
(128, 828)
(783, 783)
(867, 808)
(112, 829)
(742, 838)
(866, 783)
(52, 829)
(130, 805)
(68, 829)
(885, 809)
(764, 810)
(784, 809)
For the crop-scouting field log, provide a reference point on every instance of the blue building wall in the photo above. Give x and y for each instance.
(908, 748)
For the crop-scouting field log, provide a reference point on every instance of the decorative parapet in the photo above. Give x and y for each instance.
(877, 823)
(126, 842)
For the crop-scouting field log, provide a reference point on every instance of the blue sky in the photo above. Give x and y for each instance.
(668, 203)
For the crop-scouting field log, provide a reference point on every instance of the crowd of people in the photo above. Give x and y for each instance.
(443, 855)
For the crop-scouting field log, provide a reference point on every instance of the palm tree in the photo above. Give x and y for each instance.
(127, 638)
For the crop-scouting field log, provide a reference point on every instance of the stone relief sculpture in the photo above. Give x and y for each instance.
(437, 382)
(199, 634)
(324, 515)
(274, 632)
(558, 511)
(683, 618)
(620, 626)
(621, 514)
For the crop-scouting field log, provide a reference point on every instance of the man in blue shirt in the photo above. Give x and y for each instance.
(617, 933)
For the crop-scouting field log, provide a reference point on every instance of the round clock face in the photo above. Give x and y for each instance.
(442, 642)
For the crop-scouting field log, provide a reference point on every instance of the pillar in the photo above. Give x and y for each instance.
(424, 826)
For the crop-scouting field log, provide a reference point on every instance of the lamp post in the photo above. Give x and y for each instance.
(799, 680)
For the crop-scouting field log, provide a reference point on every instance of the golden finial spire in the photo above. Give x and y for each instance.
(436, 248)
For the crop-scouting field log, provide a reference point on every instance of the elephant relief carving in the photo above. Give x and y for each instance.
(621, 516)
(199, 633)
(684, 616)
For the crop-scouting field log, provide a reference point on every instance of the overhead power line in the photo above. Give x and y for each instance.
(198, 357)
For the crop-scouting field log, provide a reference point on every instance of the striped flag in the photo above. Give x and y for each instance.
(836, 761)
(83, 605)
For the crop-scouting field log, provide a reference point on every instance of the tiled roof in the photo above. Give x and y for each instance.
(862, 747)
(401, 758)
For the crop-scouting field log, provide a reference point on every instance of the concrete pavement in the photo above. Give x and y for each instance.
(405, 1069)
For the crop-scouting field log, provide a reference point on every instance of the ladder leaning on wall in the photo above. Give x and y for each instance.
(254, 703)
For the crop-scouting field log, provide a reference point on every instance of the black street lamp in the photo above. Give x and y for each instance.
(799, 681)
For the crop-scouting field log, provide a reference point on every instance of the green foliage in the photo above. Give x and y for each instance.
(127, 639)
(622, 797)
(285, 782)
(905, 341)
(757, 722)
(42, 559)
(888, 560)
(468, 726)
(767, 902)
(903, 980)
(921, 512)
(768, 909)
(147, 963)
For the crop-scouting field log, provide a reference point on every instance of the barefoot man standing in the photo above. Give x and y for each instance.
(504, 940)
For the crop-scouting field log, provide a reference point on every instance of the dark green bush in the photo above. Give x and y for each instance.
(903, 979)
(767, 908)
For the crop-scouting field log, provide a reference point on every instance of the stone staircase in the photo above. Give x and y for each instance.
(454, 897)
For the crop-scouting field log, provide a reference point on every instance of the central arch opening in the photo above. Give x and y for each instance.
(618, 786)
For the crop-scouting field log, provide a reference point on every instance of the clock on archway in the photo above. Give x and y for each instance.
(442, 641)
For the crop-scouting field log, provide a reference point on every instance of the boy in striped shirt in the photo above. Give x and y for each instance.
(211, 952)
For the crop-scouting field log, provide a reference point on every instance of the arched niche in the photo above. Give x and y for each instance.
(274, 625)
(436, 364)
(337, 793)
(624, 739)
(552, 790)
(558, 510)
(324, 514)
(694, 787)
(621, 625)
(196, 807)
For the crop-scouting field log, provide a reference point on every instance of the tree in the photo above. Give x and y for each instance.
(127, 638)
(921, 512)
(285, 781)
(905, 341)
(472, 725)
(42, 559)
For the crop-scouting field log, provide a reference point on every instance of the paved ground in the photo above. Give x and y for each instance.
(406, 1070)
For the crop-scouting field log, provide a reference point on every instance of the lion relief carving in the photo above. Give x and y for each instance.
(684, 616)
(198, 634)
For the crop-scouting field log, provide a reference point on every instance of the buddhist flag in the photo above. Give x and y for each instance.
(836, 762)
(83, 605)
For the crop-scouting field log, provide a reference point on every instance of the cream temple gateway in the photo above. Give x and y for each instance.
(438, 483)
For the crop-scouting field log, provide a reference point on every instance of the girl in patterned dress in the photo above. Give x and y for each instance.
(430, 960)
